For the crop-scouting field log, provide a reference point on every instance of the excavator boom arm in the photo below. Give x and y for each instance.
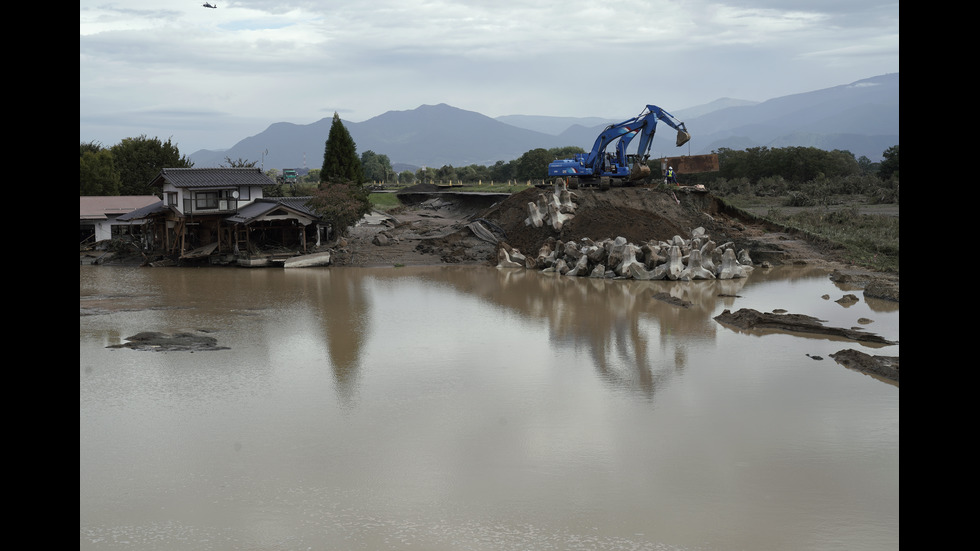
(597, 164)
(652, 114)
(644, 125)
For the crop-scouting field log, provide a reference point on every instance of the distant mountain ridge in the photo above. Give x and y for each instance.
(861, 117)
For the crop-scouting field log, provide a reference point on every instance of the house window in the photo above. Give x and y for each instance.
(205, 200)
(228, 201)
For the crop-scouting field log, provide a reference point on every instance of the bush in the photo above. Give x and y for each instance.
(771, 186)
(799, 199)
(842, 217)
(883, 195)
(342, 205)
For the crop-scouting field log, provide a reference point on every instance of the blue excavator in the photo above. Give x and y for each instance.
(601, 168)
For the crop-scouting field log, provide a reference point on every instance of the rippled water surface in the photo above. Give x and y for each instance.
(447, 408)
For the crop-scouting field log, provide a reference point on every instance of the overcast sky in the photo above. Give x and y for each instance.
(207, 78)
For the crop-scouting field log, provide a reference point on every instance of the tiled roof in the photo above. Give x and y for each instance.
(212, 178)
(261, 207)
(143, 212)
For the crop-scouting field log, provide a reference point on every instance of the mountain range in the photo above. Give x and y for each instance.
(860, 117)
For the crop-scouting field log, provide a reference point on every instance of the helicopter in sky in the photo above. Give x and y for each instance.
(207, 5)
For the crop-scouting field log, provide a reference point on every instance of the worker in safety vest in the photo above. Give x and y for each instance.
(670, 177)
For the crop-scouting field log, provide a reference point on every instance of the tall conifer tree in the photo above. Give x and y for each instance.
(341, 199)
(340, 161)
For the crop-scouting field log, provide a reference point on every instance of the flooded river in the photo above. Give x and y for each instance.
(471, 408)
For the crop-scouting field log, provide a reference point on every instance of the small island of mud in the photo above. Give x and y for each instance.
(162, 342)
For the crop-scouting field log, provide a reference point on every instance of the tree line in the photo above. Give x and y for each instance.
(128, 167)
(806, 176)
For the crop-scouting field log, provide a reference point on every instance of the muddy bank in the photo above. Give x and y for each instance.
(883, 367)
(437, 231)
(749, 319)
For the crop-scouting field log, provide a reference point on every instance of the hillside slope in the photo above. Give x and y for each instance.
(861, 117)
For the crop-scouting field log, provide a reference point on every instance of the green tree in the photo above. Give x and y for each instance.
(889, 163)
(139, 160)
(376, 168)
(502, 171)
(312, 177)
(533, 165)
(567, 152)
(406, 177)
(341, 205)
(473, 173)
(795, 164)
(867, 166)
(97, 173)
(340, 161)
(340, 199)
(446, 174)
(425, 175)
(90, 146)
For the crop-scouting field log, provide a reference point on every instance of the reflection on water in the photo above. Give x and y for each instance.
(477, 408)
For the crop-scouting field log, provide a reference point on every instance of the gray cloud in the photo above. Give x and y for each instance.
(206, 76)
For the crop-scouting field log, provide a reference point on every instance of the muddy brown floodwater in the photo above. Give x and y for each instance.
(454, 407)
(433, 230)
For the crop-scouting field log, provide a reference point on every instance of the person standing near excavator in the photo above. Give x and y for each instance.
(671, 176)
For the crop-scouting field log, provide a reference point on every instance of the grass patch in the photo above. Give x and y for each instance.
(384, 202)
(869, 239)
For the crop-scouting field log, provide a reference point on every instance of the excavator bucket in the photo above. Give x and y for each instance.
(639, 171)
(682, 138)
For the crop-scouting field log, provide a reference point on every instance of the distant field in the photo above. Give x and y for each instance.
(882, 210)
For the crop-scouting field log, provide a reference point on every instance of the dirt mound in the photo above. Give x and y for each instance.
(637, 214)
(436, 231)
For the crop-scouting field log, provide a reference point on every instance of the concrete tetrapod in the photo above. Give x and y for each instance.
(651, 260)
(730, 268)
(694, 268)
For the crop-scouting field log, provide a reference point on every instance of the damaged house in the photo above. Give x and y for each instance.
(106, 217)
(220, 213)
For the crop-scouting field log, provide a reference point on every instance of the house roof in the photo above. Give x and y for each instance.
(261, 207)
(143, 212)
(211, 178)
(102, 207)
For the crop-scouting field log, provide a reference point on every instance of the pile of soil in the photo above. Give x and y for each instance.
(637, 214)
(437, 232)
